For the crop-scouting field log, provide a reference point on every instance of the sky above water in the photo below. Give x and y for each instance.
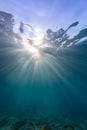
(48, 13)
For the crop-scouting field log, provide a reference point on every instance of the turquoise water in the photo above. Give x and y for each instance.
(43, 73)
(45, 84)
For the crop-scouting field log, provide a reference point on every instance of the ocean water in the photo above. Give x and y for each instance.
(43, 84)
(43, 87)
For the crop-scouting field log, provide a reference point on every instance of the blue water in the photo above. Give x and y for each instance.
(44, 84)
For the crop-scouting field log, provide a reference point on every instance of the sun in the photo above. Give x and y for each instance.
(38, 39)
(33, 50)
(33, 44)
